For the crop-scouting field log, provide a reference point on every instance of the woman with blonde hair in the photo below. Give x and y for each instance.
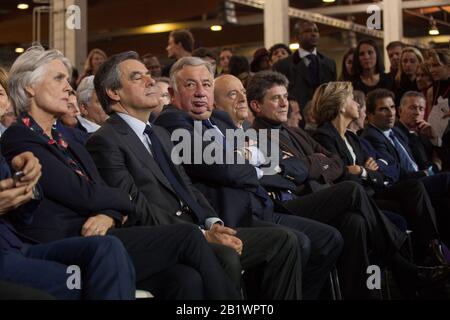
(424, 82)
(93, 61)
(405, 79)
(335, 109)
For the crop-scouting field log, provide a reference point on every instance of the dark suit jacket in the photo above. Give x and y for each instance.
(299, 78)
(387, 151)
(69, 198)
(230, 188)
(322, 165)
(421, 148)
(328, 136)
(124, 162)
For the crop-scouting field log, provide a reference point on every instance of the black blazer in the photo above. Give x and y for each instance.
(299, 78)
(124, 162)
(421, 148)
(328, 136)
(69, 198)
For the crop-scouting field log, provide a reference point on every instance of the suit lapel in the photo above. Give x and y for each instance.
(138, 149)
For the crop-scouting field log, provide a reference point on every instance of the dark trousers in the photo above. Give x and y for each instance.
(364, 228)
(438, 188)
(179, 255)
(413, 203)
(106, 271)
(320, 247)
(271, 262)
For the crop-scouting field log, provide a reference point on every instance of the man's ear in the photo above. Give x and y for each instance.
(113, 95)
(171, 92)
(255, 106)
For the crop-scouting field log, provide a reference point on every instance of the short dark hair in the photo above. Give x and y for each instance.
(374, 96)
(357, 68)
(238, 65)
(394, 44)
(203, 52)
(108, 77)
(263, 81)
(277, 46)
(299, 25)
(184, 37)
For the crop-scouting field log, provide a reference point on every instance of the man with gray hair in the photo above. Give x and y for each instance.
(134, 155)
(92, 114)
(235, 189)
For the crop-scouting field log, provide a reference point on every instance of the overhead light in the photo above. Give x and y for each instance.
(22, 6)
(328, 1)
(216, 28)
(434, 31)
(19, 50)
(294, 46)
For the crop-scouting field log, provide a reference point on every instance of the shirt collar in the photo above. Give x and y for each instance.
(135, 124)
(303, 53)
(89, 125)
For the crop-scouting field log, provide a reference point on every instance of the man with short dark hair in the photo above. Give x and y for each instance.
(393, 146)
(234, 187)
(180, 44)
(134, 155)
(367, 233)
(306, 68)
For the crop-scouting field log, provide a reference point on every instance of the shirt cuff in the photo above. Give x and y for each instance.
(363, 173)
(209, 222)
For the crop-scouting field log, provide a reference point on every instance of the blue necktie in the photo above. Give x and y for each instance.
(171, 174)
(405, 159)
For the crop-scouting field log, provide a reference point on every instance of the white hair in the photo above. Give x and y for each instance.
(85, 90)
(187, 61)
(27, 70)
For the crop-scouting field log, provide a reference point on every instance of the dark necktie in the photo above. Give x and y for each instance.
(314, 69)
(169, 171)
(405, 159)
(208, 124)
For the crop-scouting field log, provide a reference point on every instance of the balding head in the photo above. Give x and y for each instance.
(230, 96)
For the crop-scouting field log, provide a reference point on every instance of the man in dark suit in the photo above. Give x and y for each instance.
(234, 188)
(364, 228)
(419, 133)
(306, 68)
(133, 155)
(106, 271)
(393, 146)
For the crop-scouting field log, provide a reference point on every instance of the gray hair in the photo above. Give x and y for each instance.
(85, 90)
(187, 61)
(27, 70)
(411, 94)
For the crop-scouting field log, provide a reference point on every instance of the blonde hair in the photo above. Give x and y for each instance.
(329, 99)
(4, 80)
(88, 63)
(419, 56)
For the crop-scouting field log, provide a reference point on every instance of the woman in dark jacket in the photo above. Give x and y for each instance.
(334, 110)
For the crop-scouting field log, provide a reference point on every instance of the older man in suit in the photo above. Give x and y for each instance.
(234, 188)
(135, 156)
(306, 68)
